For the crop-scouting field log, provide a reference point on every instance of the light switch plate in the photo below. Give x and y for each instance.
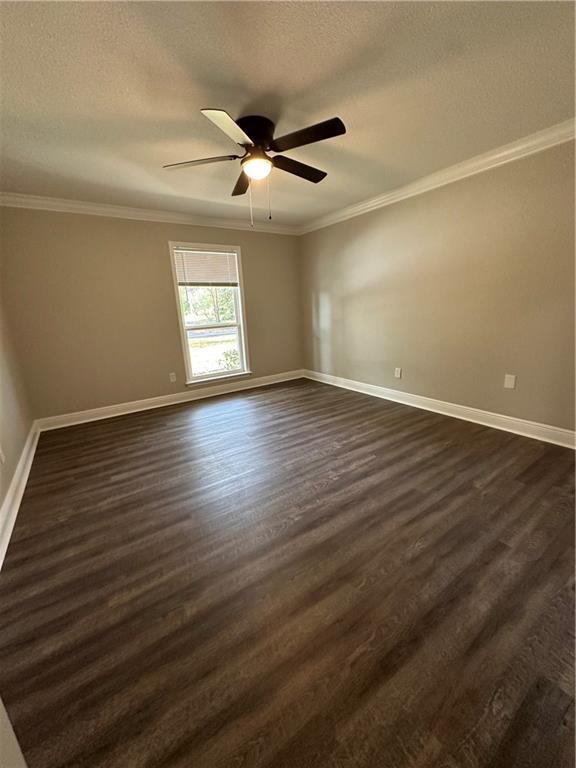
(509, 381)
(397, 373)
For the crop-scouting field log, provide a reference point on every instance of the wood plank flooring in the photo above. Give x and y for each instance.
(297, 576)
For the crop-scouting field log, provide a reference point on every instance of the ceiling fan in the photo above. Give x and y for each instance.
(255, 134)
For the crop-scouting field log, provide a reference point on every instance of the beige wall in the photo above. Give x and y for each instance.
(15, 413)
(9, 749)
(458, 287)
(93, 311)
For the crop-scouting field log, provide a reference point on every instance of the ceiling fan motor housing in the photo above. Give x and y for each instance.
(260, 129)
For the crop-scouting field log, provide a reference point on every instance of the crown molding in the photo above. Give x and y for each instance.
(529, 145)
(516, 150)
(60, 205)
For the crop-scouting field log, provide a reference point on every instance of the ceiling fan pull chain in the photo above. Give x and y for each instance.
(250, 197)
(269, 205)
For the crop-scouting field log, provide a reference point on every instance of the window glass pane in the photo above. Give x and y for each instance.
(214, 350)
(205, 305)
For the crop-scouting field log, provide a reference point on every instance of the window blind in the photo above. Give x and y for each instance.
(205, 267)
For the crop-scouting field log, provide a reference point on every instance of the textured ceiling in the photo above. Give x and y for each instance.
(96, 97)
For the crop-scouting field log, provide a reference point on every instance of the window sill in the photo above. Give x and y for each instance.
(218, 377)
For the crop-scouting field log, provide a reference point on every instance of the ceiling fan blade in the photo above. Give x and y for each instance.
(318, 132)
(298, 169)
(222, 120)
(204, 161)
(241, 185)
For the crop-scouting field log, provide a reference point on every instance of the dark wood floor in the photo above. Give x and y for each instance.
(288, 577)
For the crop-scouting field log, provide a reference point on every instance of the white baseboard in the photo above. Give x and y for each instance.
(9, 509)
(108, 411)
(11, 503)
(544, 432)
(9, 748)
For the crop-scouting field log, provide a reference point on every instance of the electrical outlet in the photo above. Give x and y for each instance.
(2, 457)
(509, 381)
(397, 373)
(172, 377)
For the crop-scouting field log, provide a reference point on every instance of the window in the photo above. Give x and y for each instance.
(208, 285)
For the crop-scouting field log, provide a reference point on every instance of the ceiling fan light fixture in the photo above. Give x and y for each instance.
(257, 167)
(255, 135)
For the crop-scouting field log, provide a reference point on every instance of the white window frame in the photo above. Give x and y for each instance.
(241, 314)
